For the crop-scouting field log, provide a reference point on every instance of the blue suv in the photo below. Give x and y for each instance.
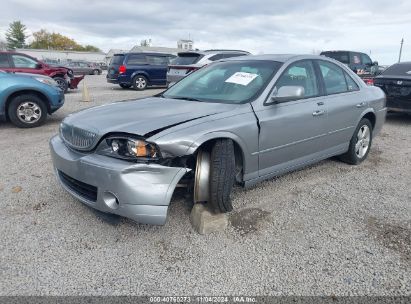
(139, 70)
(26, 99)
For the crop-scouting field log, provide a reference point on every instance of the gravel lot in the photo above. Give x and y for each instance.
(329, 229)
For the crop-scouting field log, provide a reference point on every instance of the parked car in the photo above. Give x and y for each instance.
(242, 119)
(22, 63)
(187, 62)
(84, 68)
(359, 62)
(26, 99)
(138, 70)
(396, 83)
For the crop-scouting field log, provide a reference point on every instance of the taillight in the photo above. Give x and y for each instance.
(369, 81)
(122, 69)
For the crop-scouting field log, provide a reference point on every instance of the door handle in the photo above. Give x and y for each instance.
(318, 113)
(362, 104)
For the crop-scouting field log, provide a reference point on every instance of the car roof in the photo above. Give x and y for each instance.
(275, 57)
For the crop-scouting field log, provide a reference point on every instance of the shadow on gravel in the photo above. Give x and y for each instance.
(248, 220)
(394, 237)
(108, 218)
(400, 118)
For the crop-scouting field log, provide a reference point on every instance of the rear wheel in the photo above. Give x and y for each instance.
(62, 83)
(27, 111)
(140, 82)
(360, 143)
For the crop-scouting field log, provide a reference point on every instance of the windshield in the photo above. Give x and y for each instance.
(399, 69)
(226, 82)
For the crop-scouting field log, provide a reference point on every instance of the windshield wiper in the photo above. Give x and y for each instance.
(187, 98)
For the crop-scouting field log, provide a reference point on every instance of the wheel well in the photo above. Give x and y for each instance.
(18, 93)
(238, 154)
(371, 117)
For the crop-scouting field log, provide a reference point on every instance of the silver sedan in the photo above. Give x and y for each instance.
(241, 120)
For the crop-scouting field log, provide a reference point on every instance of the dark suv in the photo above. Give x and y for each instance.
(360, 63)
(22, 63)
(138, 70)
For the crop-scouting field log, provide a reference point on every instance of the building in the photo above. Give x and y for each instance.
(184, 44)
(154, 49)
(64, 55)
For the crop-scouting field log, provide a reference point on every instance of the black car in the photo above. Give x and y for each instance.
(359, 62)
(396, 83)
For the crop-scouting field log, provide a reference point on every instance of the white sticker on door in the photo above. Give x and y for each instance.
(242, 78)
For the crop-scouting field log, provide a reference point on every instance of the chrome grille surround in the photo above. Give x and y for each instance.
(76, 138)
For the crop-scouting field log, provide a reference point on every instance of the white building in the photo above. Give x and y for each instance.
(64, 55)
(184, 44)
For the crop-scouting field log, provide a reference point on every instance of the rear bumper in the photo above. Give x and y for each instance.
(379, 121)
(112, 80)
(140, 192)
(398, 105)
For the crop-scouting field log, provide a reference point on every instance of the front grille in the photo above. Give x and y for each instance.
(77, 138)
(84, 190)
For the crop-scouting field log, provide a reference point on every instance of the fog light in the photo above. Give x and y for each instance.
(110, 200)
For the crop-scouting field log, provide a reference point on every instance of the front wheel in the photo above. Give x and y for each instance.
(360, 143)
(27, 111)
(140, 82)
(62, 83)
(222, 173)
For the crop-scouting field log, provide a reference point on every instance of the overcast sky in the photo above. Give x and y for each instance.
(266, 26)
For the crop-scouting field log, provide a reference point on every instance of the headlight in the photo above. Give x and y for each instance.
(129, 148)
(48, 81)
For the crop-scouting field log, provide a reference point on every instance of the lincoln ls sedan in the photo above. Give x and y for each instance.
(240, 120)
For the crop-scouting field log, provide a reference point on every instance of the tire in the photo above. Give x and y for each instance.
(140, 83)
(96, 72)
(62, 83)
(125, 86)
(360, 144)
(222, 173)
(27, 111)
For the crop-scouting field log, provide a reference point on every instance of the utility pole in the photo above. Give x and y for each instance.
(399, 58)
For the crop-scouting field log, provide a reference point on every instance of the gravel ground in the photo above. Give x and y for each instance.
(330, 229)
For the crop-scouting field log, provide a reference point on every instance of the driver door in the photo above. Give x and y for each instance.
(293, 132)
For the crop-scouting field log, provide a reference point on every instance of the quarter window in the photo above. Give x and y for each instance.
(23, 62)
(334, 79)
(300, 74)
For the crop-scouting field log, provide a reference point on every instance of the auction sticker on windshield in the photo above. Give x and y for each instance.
(242, 78)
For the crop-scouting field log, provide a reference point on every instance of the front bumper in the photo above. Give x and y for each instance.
(140, 192)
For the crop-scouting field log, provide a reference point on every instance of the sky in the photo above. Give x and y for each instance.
(375, 27)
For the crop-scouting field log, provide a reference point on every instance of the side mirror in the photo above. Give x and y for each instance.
(286, 93)
(375, 63)
(39, 66)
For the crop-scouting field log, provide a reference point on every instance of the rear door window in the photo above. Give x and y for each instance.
(356, 58)
(157, 60)
(333, 76)
(4, 61)
(339, 56)
(351, 84)
(135, 59)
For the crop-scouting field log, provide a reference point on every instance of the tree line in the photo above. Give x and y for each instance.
(16, 39)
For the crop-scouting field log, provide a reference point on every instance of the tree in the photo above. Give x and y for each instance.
(3, 45)
(56, 41)
(16, 36)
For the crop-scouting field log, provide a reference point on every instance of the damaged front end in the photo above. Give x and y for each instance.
(139, 190)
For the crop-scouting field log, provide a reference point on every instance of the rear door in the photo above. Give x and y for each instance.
(345, 102)
(293, 132)
(158, 65)
(116, 61)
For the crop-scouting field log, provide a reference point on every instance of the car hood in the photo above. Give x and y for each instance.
(144, 117)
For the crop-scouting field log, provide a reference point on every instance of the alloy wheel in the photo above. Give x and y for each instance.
(29, 112)
(363, 141)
